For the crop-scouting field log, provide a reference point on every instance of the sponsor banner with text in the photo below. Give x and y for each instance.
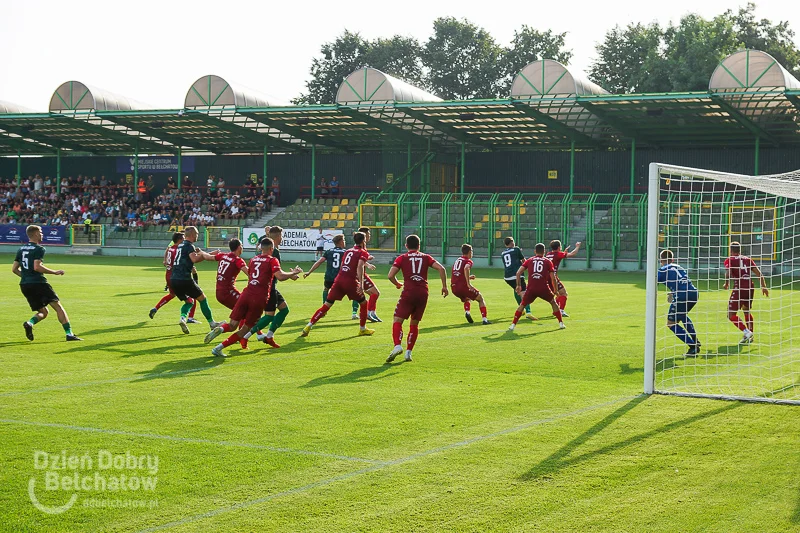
(295, 240)
(15, 234)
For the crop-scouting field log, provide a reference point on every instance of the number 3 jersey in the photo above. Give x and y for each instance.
(414, 266)
(261, 270)
(539, 269)
(334, 260)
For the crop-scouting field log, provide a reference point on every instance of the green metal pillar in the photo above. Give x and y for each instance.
(265, 170)
(408, 168)
(758, 150)
(633, 166)
(136, 167)
(313, 167)
(571, 167)
(58, 171)
(19, 167)
(463, 158)
(180, 170)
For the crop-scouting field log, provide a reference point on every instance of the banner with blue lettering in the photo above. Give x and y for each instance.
(154, 165)
(15, 234)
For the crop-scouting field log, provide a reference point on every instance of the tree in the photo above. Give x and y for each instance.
(629, 60)
(775, 39)
(398, 56)
(463, 61)
(529, 45)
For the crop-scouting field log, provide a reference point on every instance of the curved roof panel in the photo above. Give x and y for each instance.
(9, 108)
(747, 69)
(371, 85)
(547, 76)
(77, 96)
(215, 91)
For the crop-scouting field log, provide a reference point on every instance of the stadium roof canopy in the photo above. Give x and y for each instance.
(751, 100)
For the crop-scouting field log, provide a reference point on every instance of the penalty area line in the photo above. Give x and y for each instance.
(386, 464)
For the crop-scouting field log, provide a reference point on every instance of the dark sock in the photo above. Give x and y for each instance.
(263, 322)
(679, 332)
(206, 309)
(67, 328)
(278, 320)
(34, 319)
(185, 308)
(690, 329)
(324, 295)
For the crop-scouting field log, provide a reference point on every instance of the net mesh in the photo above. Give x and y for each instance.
(699, 214)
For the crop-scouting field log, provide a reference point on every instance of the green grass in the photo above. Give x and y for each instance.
(540, 430)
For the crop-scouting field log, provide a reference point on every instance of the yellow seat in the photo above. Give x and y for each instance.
(496, 210)
(522, 210)
(342, 216)
(326, 216)
(340, 224)
(315, 224)
(478, 226)
(335, 209)
(497, 234)
(345, 201)
(506, 226)
(350, 216)
(505, 218)
(485, 218)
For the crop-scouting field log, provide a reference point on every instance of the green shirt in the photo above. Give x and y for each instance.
(27, 256)
(277, 255)
(512, 260)
(334, 258)
(182, 266)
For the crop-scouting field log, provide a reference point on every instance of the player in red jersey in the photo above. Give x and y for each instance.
(370, 289)
(230, 264)
(250, 304)
(169, 259)
(414, 298)
(738, 268)
(541, 279)
(349, 282)
(462, 288)
(556, 255)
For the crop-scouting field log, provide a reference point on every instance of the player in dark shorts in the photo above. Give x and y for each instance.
(250, 304)
(29, 266)
(349, 282)
(183, 284)
(370, 289)
(556, 255)
(739, 269)
(169, 259)
(334, 260)
(512, 258)
(276, 308)
(541, 277)
(414, 298)
(461, 287)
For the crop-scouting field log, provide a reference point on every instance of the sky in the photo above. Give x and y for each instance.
(154, 51)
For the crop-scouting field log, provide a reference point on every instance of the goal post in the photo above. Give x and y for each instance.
(697, 214)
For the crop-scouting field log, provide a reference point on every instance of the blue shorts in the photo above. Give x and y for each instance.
(679, 309)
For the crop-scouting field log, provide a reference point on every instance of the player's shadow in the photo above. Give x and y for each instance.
(121, 294)
(121, 347)
(564, 458)
(665, 364)
(724, 351)
(370, 373)
(625, 369)
(113, 329)
(511, 335)
(439, 329)
(179, 368)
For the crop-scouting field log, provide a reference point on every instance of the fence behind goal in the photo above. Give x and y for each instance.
(697, 214)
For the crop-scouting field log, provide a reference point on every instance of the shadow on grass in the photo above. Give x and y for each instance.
(723, 351)
(511, 335)
(625, 369)
(180, 368)
(112, 329)
(120, 347)
(561, 458)
(122, 294)
(362, 375)
(665, 364)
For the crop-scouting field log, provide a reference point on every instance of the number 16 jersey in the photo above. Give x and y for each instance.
(539, 269)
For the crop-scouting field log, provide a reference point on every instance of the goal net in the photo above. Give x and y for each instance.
(697, 214)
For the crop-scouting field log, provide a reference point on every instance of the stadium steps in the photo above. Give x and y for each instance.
(577, 231)
(267, 217)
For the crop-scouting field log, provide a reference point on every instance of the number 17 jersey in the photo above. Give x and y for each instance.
(414, 266)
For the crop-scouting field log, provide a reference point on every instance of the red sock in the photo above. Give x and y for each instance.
(164, 300)
(483, 312)
(319, 314)
(397, 333)
(738, 323)
(557, 314)
(562, 302)
(749, 319)
(230, 341)
(225, 326)
(373, 302)
(363, 314)
(413, 333)
(517, 314)
(466, 306)
(194, 308)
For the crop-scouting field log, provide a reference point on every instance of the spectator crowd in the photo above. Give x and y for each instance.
(35, 200)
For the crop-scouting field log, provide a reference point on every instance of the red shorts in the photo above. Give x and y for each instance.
(228, 297)
(411, 304)
(248, 309)
(465, 293)
(532, 293)
(340, 290)
(559, 286)
(368, 283)
(167, 277)
(741, 298)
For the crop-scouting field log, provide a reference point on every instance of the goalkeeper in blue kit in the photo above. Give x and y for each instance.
(682, 298)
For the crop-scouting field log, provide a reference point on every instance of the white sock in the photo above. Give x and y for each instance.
(746, 331)
(408, 353)
(270, 334)
(248, 335)
(219, 347)
(363, 328)
(310, 324)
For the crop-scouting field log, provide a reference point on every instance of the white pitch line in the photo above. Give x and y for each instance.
(381, 466)
(189, 440)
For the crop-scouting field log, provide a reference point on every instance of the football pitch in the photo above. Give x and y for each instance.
(536, 430)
